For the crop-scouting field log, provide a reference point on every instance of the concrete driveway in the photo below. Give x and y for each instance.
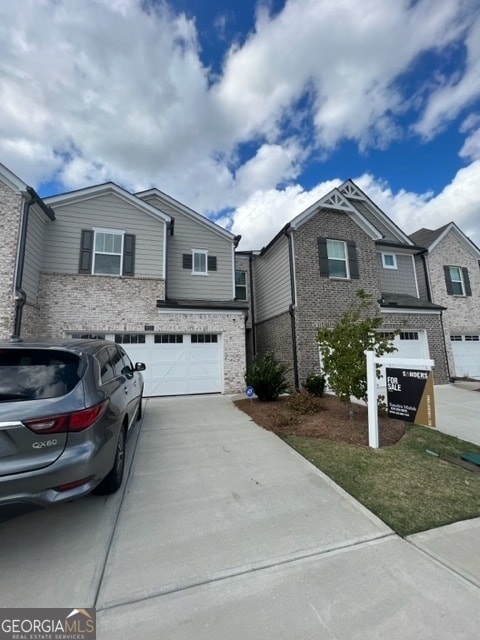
(225, 532)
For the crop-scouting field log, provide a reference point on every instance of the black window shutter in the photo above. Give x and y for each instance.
(128, 255)
(187, 261)
(212, 263)
(448, 280)
(466, 282)
(323, 257)
(86, 251)
(353, 259)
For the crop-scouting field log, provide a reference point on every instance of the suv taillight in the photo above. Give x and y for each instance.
(75, 421)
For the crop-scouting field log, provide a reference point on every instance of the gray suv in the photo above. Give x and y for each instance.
(65, 411)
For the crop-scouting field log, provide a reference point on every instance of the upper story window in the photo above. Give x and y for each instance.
(199, 262)
(457, 281)
(389, 261)
(107, 252)
(240, 285)
(338, 258)
(107, 255)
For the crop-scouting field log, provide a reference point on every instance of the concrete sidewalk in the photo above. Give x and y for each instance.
(226, 532)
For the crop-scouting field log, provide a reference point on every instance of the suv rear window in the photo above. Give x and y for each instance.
(33, 374)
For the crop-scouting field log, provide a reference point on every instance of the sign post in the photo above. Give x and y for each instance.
(410, 396)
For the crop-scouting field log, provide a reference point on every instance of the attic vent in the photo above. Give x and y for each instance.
(351, 191)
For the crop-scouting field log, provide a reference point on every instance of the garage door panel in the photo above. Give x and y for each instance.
(466, 354)
(181, 367)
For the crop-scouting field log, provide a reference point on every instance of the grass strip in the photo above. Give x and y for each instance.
(406, 487)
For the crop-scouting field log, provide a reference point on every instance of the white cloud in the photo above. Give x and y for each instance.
(459, 201)
(265, 213)
(107, 90)
(448, 100)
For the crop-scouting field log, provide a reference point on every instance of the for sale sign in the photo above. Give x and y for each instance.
(410, 396)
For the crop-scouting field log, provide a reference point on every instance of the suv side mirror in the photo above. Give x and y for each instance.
(140, 366)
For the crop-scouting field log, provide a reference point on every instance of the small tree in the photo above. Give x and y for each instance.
(267, 377)
(343, 346)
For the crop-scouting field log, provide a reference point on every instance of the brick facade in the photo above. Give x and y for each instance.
(101, 304)
(321, 300)
(275, 335)
(10, 218)
(462, 315)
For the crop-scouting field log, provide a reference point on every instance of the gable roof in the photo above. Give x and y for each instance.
(106, 188)
(430, 238)
(171, 203)
(377, 217)
(334, 199)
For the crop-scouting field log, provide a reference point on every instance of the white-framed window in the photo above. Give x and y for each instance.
(199, 262)
(337, 259)
(456, 278)
(107, 252)
(240, 285)
(389, 261)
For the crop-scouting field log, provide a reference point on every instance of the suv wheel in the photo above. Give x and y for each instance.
(113, 480)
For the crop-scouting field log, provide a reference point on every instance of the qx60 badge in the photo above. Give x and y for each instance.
(44, 443)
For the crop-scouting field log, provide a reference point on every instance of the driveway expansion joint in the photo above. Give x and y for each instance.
(252, 569)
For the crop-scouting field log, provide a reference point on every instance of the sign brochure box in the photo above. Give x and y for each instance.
(410, 396)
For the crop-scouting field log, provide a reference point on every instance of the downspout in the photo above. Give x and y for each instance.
(291, 308)
(445, 348)
(252, 305)
(20, 295)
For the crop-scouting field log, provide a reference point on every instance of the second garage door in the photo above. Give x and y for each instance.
(466, 353)
(409, 344)
(177, 364)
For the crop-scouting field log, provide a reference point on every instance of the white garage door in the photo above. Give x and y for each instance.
(409, 344)
(177, 364)
(466, 354)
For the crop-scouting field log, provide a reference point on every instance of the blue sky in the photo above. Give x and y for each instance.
(249, 111)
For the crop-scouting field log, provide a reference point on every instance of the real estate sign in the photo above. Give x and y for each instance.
(410, 395)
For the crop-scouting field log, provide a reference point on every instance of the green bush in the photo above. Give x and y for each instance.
(315, 384)
(267, 377)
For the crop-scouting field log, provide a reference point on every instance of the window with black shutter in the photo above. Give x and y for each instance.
(107, 252)
(457, 281)
(338, 259)
(199, 262)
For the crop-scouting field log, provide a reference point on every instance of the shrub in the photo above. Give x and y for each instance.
(315, 384)
(303, 403)
(267, 377)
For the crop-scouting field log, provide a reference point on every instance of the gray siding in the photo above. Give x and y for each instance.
(242, 263)
(33, 254)
(377, 222)
(189, 234)
(62, 243)
(399, 280)
(272, 281)
(423, 286)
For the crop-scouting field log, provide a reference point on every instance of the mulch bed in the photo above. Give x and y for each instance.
(330, 420)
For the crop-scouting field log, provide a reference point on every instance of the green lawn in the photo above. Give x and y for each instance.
(403, 485)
